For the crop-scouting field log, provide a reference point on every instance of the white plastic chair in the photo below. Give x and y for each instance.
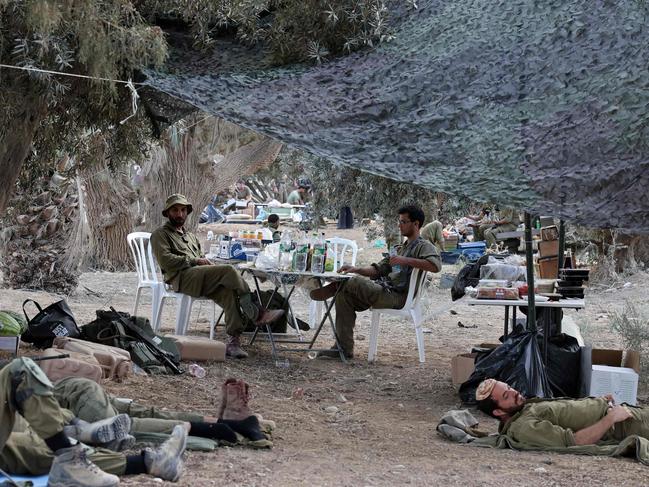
(145, 267)
(147, 271)
(411, 309)
(341, 246)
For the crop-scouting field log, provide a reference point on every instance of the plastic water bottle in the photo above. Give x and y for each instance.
(210, 235)
(282, 363)
(395, 267)
(196, 371)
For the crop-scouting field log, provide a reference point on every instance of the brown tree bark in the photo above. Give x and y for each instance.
(185, 164)
(16, 143)
(108, 198)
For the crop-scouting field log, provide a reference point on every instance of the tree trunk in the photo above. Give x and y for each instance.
(108, 204)
(17, 143)
(185, 164)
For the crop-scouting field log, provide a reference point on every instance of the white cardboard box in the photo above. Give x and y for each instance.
(622, 382)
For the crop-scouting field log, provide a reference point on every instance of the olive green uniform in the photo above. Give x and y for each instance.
(178, 253)
(433, 233)
(87, 400)
(553, 423)
(389, 290)
(29, 414)
(512, 220)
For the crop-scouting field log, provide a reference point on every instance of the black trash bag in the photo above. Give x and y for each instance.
(564, 365)
(469, 275)
(517, 362)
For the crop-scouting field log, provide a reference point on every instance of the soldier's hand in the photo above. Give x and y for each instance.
(618, 414)
(203, 261)
(609, 398)
(397, 260)
(346, 268)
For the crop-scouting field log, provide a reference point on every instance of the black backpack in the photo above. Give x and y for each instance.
(50, 322)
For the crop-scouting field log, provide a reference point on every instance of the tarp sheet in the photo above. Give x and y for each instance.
(536, 105)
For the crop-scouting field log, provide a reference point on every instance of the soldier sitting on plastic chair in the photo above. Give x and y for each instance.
(388, 283)
(187, 271)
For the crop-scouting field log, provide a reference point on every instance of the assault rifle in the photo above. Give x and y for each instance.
(35, 359)
(165, 358)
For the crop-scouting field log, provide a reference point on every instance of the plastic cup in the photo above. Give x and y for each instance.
(300, 261)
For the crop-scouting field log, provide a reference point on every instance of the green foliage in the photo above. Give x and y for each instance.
(292, 30)
(97, 39)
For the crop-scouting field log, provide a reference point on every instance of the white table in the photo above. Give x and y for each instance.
(568, 303)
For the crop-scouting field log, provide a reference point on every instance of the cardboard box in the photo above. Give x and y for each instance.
(548, 267)
(550, 233)
(462, 365)
(548, 248)
(605, 371)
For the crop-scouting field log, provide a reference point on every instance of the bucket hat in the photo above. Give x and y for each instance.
(176, 199)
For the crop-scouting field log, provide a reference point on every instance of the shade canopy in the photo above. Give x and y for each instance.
(535, 105)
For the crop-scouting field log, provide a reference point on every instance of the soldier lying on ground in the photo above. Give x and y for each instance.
(559, 422)
(35, 440)
(87, 400)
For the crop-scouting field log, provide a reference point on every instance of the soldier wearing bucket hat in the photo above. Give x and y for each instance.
(187, 271)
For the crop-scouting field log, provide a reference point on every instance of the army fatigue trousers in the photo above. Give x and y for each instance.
(360, 294)
(220, 283)
(87, 400)
(26, 391)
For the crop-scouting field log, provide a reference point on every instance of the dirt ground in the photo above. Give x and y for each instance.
(381, 430)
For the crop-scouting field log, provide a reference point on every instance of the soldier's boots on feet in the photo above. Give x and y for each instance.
(233, 348)
(255, 313)
(334, 353)
(71, 468)
(324, 293)
(121, 444)
(166, 460)
(100, 432)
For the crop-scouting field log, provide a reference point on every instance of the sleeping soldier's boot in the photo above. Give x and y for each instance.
(166, 461)
(71, 468)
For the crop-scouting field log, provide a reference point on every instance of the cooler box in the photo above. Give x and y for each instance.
(450, 257)
(622, 382)
(472, 251)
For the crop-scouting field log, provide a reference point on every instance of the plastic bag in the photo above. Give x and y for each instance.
(503, 271)
(269, 257)
(517, 362)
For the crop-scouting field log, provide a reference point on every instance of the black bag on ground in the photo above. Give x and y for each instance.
(517, 362)
(469, 275)
(53, 321)
(108, 330)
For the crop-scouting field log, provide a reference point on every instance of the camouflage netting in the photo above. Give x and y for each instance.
(540, 105)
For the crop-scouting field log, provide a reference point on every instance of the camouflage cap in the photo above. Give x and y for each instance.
(176, 199)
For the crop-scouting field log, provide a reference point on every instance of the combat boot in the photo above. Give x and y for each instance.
(166, 461)
(234, 400)
(100, 432)
(233, 348)
(71, 468)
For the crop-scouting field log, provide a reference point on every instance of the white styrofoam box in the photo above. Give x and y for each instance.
(619, 381)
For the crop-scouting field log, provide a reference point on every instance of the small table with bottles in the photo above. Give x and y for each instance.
(287, 281)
